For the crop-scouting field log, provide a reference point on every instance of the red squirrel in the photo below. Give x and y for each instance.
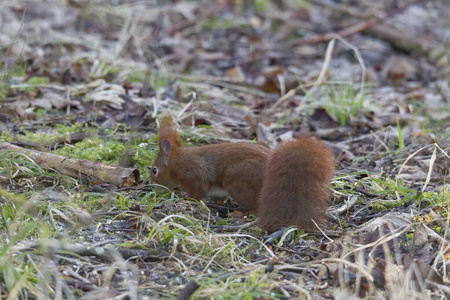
(289, 185)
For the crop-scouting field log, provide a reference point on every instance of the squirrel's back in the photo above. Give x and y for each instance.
(296, 185)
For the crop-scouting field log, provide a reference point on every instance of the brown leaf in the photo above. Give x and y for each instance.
(236, 74)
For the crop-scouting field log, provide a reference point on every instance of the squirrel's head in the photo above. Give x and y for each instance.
(169, 142)
(160, 171)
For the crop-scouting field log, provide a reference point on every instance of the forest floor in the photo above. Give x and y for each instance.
(88, 79)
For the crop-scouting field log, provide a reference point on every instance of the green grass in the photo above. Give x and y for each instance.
(342, 103)
(226, 265)
(252, 285)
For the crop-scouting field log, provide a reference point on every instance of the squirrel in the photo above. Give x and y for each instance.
(289, 185)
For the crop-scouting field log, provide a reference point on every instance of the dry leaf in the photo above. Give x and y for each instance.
(235, 74)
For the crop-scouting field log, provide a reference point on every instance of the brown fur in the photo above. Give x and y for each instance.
(296, 188)
(168, 131)
(286, 186)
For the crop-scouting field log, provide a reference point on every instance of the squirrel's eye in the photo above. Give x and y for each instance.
(155, 170)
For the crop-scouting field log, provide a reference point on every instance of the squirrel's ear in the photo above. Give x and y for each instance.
(166, 147)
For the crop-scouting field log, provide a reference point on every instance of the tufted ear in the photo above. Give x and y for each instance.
(165, 149)
(168, 130)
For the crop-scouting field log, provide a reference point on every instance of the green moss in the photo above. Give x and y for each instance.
(261, 5)
(440, 230)
(378, 206)
(11, 197)
(442, 198)
(63, 128)
(95, 149)
(410, 238)
(38, 137)
(33, 82)
(143, 159)
(41, 113)
(258, 232)
(136, 76)
(194, 139)
(222, 222)
(112, 152)
(343, 224)
(38, 80)
(6, 136)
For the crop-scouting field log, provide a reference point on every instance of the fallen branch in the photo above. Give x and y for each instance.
(73, 167)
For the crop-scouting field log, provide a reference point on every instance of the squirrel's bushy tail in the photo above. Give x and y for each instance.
(296, 185)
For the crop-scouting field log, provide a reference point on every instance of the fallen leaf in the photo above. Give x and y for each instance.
(235, 74)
